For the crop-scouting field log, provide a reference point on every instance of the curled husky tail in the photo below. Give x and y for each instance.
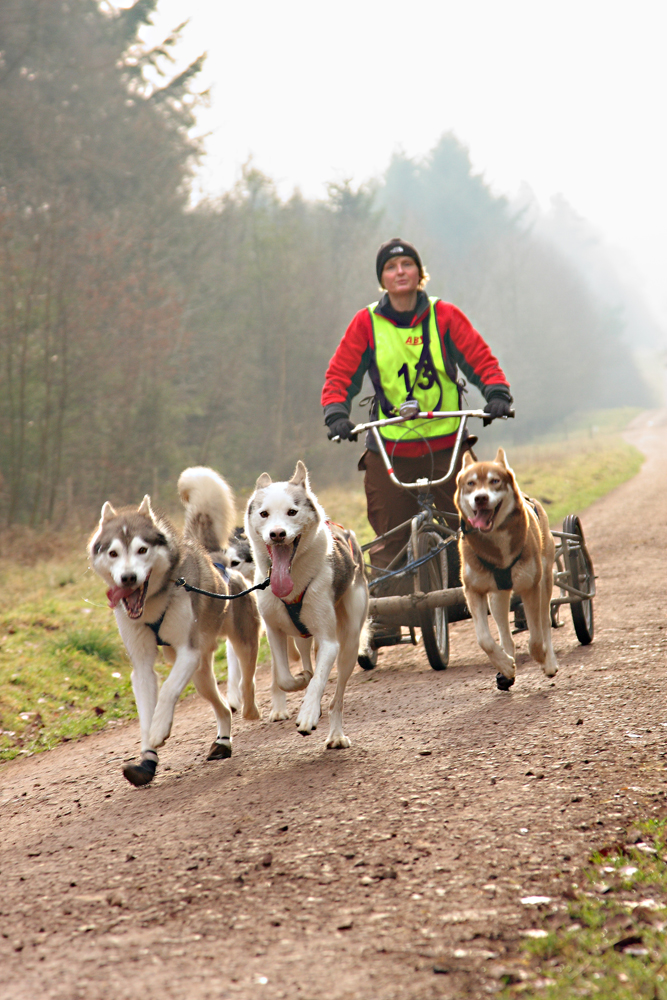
(210, 511)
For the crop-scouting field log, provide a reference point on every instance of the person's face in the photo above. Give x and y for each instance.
(400, 275)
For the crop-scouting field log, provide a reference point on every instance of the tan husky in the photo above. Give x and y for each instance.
(505, 546)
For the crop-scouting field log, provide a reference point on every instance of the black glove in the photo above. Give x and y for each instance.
(341, 427)
(499, 404)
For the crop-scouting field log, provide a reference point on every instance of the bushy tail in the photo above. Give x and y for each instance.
(210, 511)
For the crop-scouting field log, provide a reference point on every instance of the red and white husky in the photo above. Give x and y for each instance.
(505, 546)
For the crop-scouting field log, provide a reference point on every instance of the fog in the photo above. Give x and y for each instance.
(565, 97)
(168, 299)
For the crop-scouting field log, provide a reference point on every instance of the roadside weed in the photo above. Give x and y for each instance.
(608, 940)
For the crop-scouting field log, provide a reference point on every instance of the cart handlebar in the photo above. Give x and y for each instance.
(411, 414)
(420, 415)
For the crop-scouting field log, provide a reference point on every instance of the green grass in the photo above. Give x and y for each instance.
(610, 943)
(567, 478)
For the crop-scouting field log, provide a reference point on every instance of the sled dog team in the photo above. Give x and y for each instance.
(311, 592)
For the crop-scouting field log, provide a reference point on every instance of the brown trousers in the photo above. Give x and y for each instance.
(389, 505)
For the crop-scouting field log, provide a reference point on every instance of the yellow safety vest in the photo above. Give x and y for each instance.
(397, 353)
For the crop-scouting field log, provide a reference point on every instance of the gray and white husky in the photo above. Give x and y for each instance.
(318, 594)
(140, 555)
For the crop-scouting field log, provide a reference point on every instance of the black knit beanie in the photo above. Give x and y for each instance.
(396, 247)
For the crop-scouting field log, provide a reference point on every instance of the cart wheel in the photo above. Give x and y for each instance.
(434, 622)
(582, 576)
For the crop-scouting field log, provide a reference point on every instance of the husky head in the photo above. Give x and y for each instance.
(278, 517)
(239, 554)
(131, 549)
(486, 492)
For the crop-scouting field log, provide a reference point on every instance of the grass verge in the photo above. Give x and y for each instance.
(608, 938)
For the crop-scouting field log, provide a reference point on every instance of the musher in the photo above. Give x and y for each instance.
(411, 346)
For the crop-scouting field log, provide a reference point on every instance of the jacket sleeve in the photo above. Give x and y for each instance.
(466, 347)
(348, 366)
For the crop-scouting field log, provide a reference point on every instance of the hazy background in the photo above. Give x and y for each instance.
(183, 241)
(567, 98)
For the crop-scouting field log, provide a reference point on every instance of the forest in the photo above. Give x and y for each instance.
(140, 333)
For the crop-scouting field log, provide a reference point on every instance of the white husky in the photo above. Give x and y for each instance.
(318, 592)
(139, 554)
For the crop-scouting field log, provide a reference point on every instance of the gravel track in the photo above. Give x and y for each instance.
(391, 871)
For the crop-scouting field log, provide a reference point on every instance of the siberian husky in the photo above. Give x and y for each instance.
(238, 554)
(140, 555)
(318, 593)
(505, 546)
(238, 557)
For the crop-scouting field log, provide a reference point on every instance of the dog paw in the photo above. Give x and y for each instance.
(338, 741)
(252, 712)
(503, 683)
(278, 715)
(306, 720)
(220, 750)
(140, 774)
(550, 671)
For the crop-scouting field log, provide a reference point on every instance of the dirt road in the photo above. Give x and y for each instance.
(391, 870)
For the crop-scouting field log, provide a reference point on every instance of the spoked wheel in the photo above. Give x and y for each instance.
(434, 622)
(583, 578)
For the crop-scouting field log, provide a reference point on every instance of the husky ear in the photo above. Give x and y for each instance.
(145, 507)
(467, 460)
(264, 480)
(300, 477)
(107, 512)
(501, 459)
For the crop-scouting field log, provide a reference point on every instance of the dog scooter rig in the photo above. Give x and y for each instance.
(428, 564)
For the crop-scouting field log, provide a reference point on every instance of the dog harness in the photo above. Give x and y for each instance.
(501, 574)
(155, 626)
(293, 609)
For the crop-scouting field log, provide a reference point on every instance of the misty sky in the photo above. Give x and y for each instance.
(568, 97)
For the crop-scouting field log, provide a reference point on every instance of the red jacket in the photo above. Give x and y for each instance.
(462, 347)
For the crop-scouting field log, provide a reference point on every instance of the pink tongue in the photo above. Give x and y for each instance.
(116, 594)
(281, 576)
(481, 519)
